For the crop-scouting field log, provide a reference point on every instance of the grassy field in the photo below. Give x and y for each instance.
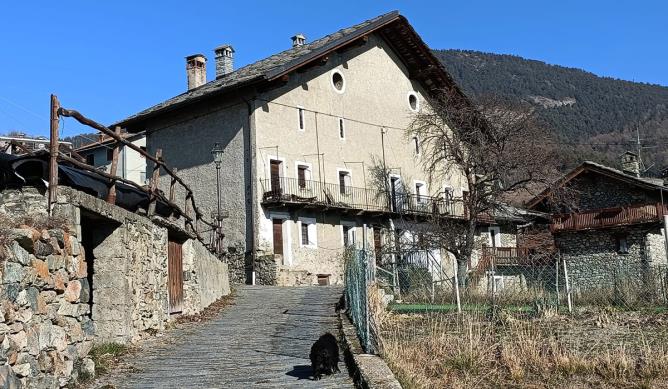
(601, 348)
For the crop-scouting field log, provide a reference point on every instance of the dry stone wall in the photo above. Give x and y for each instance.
(102, 277)
(45, 325)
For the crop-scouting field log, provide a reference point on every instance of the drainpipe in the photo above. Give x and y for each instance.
(250, 105)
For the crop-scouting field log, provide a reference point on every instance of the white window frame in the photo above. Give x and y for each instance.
(312, 227)
(497, 236)
(417, 99)
(331, 81)
(420, 197)
(338, 181)
(287, 235)
(497, 282)
(341, 126)
(309, 169)
(283, 164)
(353, 228)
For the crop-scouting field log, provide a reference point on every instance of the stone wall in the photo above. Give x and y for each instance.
(205, 277)
(101, 278)
(594, 263)
(45, 325)
(266, 270)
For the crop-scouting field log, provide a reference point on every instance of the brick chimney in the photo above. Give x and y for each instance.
(298, 40)
(224, 60)
(196, 70)
(631, 164)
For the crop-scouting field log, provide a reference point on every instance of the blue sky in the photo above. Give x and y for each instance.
(113, 58)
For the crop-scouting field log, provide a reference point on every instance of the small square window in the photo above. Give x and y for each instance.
(622, 245)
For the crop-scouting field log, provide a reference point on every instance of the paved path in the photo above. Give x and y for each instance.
(262, 341)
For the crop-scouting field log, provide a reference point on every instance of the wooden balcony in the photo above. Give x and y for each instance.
(282, 192)
(496, 257)
(608, 217)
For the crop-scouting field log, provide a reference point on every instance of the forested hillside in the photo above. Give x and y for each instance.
(591, 117)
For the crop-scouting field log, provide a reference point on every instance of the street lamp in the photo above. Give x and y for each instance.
(217, 153)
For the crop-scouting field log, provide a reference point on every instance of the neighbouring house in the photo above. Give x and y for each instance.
(131, 164)
(310, 135)
(608, 225)
(21, 144)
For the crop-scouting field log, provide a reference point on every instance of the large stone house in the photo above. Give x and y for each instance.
(305, 133)
(608, 224)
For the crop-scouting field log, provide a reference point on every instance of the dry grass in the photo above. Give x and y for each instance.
(446, 350)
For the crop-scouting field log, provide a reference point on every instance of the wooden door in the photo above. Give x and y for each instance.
(278, 236)
(275, 173)
(175, 277)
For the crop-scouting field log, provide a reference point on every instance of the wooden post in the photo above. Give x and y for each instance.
(153, 187)
(53, 150)
(172, 185)
(568, 288)
(111, 197)
(188, 206)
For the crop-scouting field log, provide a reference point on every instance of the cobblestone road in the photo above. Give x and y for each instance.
(262, 341)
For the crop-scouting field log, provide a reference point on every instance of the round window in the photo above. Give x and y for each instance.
(413, 102)
(338, 82)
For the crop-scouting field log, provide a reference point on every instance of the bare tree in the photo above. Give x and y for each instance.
(497, 148)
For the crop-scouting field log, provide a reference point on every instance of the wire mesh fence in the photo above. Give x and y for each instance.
(357, 280)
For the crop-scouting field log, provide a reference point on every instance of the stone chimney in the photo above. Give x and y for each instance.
(298, 40)
(224, 60)
(196, 70)
(631, 164)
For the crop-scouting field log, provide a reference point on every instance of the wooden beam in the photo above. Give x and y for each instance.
(53, 150)
(153, 187)
(93, 124)
(171, 187)
(111, 196)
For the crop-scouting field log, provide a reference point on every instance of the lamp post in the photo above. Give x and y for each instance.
(217, 153)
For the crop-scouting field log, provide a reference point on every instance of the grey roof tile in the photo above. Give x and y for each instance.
(268, 68)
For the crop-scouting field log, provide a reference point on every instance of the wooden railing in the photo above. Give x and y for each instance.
(191, 214)
(492, 257)
(608, 217)
(283, 190)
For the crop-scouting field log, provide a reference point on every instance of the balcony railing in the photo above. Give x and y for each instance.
(295, 191)
(494, 257)
(608, 217)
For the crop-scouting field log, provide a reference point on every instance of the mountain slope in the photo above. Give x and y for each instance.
(594, 117)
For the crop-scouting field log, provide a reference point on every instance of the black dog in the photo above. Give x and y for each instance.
(325, 356)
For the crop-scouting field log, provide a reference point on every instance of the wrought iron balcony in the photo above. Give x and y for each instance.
(608, 217)
(291, 191)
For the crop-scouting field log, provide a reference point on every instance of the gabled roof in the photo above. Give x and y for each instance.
(393, 27)
(597, 168)
(107, 140)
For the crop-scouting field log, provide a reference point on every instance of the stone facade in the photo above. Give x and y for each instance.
(594, 191)
(594, 261)
(46, 329)
(101, 278)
